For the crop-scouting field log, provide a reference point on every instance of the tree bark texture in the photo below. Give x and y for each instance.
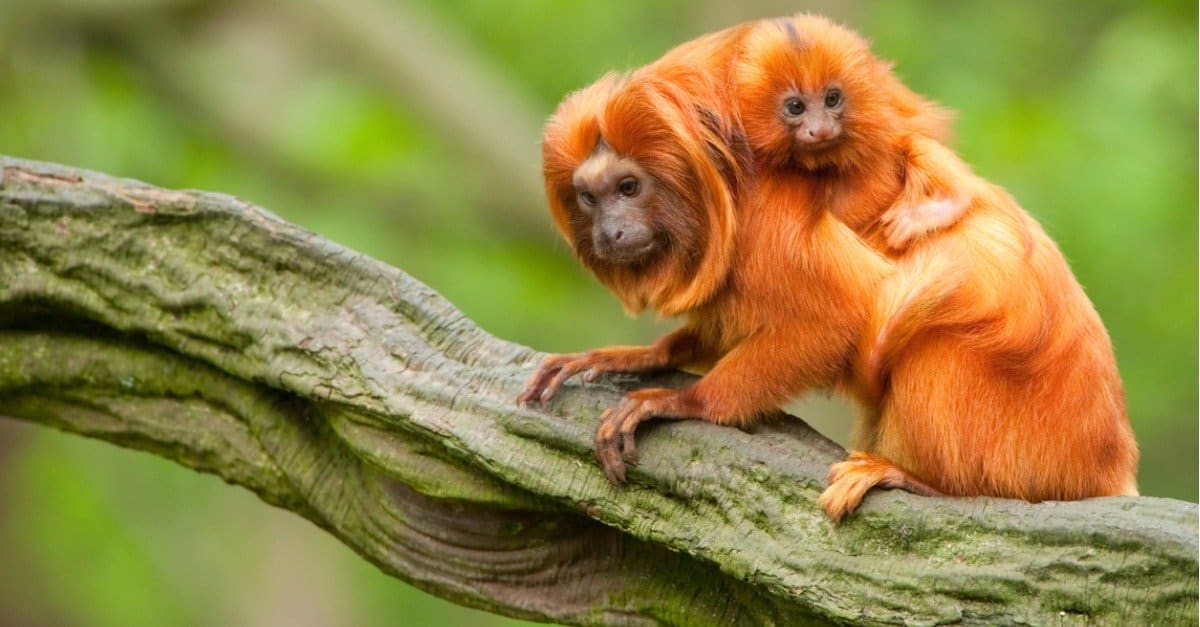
(209, 331)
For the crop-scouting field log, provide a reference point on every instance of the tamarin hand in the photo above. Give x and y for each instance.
(556, 370)
(614, 442)
(671, 350)
(904, 224)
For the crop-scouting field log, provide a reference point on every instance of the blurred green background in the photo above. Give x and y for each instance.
(409, 131)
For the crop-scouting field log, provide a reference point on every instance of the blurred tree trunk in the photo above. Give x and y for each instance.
(210, 332)
(231, 67)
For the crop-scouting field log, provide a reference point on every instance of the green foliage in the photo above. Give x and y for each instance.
(1086, 112)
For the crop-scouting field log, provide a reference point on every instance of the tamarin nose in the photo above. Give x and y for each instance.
(620, 238)
(612, 234)
(814, 134)
(820, 133)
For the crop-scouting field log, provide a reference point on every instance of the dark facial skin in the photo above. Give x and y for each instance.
(617, 195)
(815, 118)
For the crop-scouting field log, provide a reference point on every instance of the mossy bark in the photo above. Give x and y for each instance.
(208, 331)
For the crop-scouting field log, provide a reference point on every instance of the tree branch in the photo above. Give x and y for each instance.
(211, 332)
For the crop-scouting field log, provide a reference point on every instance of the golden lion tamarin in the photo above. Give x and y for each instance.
(995, 374)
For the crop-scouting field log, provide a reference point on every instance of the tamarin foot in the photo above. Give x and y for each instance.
(850, 480)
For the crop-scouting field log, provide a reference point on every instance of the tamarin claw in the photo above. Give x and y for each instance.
(551, 375)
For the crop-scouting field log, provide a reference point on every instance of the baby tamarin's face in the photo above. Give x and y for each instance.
(814, 117)
(809, 94)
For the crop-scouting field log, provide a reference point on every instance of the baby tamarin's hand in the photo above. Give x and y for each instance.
(904, 224)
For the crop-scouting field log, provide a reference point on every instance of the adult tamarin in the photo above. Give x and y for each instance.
(648, 183)
(994, 372)
(959, 305)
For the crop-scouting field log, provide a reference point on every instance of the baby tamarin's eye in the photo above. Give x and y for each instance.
(628, 187)
(587, 198)
(793, 106)
(833, 98)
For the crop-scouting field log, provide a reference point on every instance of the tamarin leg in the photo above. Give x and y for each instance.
(674, 349)
(751, 380)
(850, 480)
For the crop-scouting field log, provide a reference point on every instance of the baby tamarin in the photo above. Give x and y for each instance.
(994, 372)
(793, 125)
(647, 181)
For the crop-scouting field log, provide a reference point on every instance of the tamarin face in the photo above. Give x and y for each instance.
(624, 206)
(814, 117)
(810, 94)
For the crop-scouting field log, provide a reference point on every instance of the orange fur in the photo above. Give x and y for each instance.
(993, 372)
(630, 120)
(850, 480)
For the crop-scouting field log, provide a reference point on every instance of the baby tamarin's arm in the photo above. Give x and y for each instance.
(933, 196)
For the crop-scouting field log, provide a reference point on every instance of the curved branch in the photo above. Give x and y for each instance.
(211, 332)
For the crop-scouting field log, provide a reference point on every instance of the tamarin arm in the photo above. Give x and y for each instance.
(935, 196)
(752, 380)
(677, 348)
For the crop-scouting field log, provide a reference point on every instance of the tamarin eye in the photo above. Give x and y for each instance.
(833, 98)
(588, 198)
(793, 106)
(628, 187)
